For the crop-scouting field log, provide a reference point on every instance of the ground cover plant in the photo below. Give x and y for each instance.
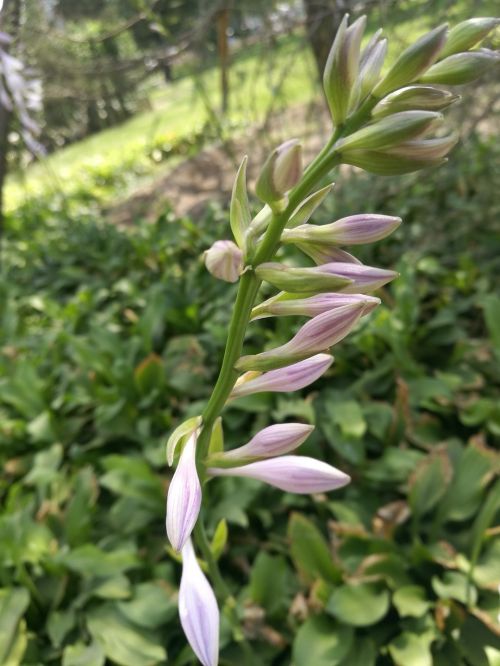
(397, 568)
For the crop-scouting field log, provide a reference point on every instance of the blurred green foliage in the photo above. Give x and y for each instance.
(110, 336)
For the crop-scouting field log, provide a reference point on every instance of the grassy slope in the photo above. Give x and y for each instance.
(259, 78)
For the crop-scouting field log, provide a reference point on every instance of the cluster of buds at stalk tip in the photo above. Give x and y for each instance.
(382, 124)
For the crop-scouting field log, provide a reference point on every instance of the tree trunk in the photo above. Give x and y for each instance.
(323, 18)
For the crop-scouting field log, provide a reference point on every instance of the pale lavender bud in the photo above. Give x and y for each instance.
(364, 278)
(198, 610)
(323, 254)
(316, 335)
(299, 279)
(351, 230)
(341, 69)
(370, 69)
(426, 149)
(281, 171)
(224, 260)
(291, 378)
(272, 441)
(467, 34)
(462, 68)
(390, 131)
(281, 305)
(184, 497)
(413, 61)
(293, 474)
(424, 98)
(388, 164)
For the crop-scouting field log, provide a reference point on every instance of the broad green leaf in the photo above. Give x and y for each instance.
(149, 374)
(122, 642)
(268, 585)
(359, 604)
(429, 482)
(59, 624)
(321, 641)
(454, 585)
(310, 552)
(349, 417)
(363, 652)
(412, 649)
(13, 603)
(80, 654)
(90, 561)
(151, 606)
(485, 518)
(491, 306)
(411, 600)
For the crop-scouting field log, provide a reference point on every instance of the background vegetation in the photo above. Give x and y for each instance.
(110, 335)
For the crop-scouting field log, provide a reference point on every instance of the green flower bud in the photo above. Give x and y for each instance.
(341, 69)
(370, 69)
(426, 149)
(425, 98)
(386, 164)
(281, 171)
(413, 61)
(467, 34)
(300, 280)
(239, 212)
(461, 67)
(390, 131)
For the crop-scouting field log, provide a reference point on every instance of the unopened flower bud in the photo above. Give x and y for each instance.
(424, 98)
(341, 69)
(370, 68)
(281, 171)
(387, 164)
(184, 497)
(224, 260)
(467, 34)
(283, 304)
(293, 474)
(352, 230)
(303, 212)
(426, 149)
(364, 278)
(325, 254)
(299, 280)
(316, 335)
(198, 610)
(275, 440)
(413, 61)
(461, 67)
(291, 378)
(239, 211)
(390, 131)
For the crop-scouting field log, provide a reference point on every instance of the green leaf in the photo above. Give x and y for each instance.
(151, 606)
(13, 603)
(491, 306)
(411, 600)
(454, 585)
(310, 552)
(268, 583)
(90, 561)
(412, 649)
(429, 482)
(484, 519)
(348, 415)
(59, 624)
(359, 604)
(124, 643)
(80, 654)
(149, 374)
(363, 652)
(321, 641)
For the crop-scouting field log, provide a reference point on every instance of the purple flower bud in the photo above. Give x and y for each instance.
(352, 230)
(198, 610)
(293, 474)
(300, 280)
(426, 149)
(224, 260)
(184, 497)
(370, 68)
(364, 278)
(281, 305)
(424, 98)
(317, 335)
(281, 171)
(462, 68)
(272, 441)
(291, 378)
